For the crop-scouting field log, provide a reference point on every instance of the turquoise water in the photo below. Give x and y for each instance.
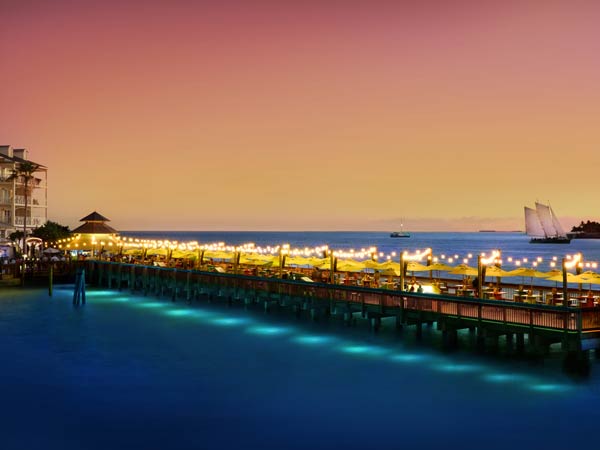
(132, 372)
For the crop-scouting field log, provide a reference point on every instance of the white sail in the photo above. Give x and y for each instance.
(533, 227)
(545, 217)
(559, 229)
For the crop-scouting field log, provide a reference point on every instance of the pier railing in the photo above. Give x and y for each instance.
(384, 301)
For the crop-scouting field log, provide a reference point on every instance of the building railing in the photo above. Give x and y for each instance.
(31, 201)
(31, 221)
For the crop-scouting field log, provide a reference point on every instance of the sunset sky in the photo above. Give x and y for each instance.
(306, 115)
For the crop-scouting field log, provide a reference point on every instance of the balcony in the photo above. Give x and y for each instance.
(20, 201)
(31, 221)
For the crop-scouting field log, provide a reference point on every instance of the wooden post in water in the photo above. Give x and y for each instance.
(50, 279)
(174, 285)
(188, 279)
(79, 292)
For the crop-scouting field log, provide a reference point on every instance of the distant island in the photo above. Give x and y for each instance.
(585, 230)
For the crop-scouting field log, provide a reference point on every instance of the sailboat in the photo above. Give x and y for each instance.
(401, 233)
(543, 226)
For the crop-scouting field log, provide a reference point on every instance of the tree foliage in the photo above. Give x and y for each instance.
(51, 231)
(587, 227)
(16, 236)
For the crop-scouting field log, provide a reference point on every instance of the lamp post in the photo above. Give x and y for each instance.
(566, 264)
(564, 282)
(402, 271)
(479, 276)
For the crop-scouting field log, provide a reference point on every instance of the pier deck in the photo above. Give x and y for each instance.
(576, 329)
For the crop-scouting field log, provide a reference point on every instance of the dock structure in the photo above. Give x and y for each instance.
(577, 330)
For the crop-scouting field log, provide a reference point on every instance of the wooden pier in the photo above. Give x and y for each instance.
(577, 330)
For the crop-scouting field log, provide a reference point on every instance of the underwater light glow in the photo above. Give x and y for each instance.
(363, 350)
(450, 367)
(150, 305)
(229, 321)
(550, 387)
(179, 312)
(268, 330)
(312, 340)
(407, 357)
(99, 293)
(504, 377)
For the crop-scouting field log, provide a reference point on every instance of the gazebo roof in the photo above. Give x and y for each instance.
(96, 217)
(94, 228)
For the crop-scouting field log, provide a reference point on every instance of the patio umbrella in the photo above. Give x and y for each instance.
(257, 260)
(559, 277)
(439, 266)
(493, 271)
(370, 264)
(588, 278)
(156, 252)
(51, 251)
(463, 269)
(527, 272)
(132, 251)
(414, 266)
(297, 261)
(349, 265)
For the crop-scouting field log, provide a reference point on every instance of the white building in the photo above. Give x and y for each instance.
(12, 193)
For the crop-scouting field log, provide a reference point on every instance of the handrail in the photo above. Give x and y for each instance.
(540, 315)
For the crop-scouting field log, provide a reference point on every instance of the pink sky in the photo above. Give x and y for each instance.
(306, 115)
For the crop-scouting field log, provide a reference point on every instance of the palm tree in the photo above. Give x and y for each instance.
(24, 171)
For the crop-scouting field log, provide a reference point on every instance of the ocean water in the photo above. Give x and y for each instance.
(126, 372)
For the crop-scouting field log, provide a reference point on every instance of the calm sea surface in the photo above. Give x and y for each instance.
(127, 372)
(514, 245)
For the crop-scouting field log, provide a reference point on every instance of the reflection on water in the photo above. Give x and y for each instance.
(158, 373)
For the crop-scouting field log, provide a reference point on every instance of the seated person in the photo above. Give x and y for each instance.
(590, 296)
(530, 298)
(497, 294)
(552, 297)
(419, 288)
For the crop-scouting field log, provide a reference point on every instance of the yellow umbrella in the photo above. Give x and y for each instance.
(349, 265)
(390, 271)
(318, 262)
(414, 266)
(493, 271)
(439, 266)
(187, 254)
(588, 274)
(298, 261)
(588, 278)
(256, 260)
(527, 272)
(463, 269)
(559, 277)
(370, 264)
(218, 254)
(132, 251)
(157, 252)
(551, 273)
